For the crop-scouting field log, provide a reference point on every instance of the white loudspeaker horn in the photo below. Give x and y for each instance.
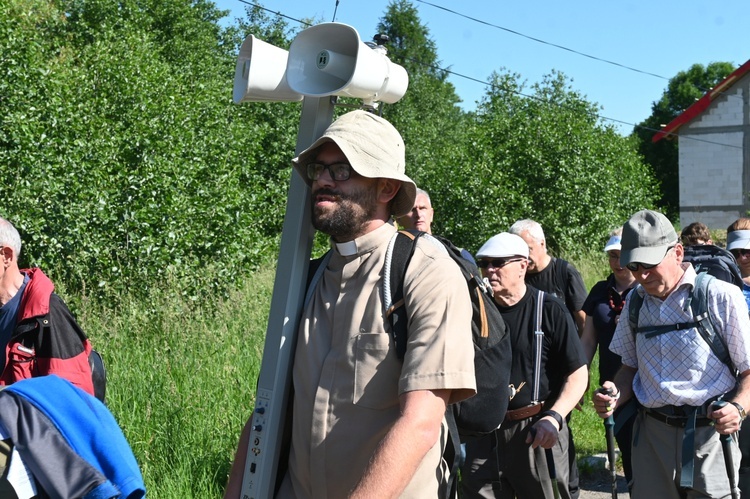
(330, 59)
(261, 73)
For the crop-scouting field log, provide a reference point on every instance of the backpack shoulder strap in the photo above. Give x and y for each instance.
(538, 343)
(702, 315)
(635, 302)
(314, 273)
(698, 302)
(398, 255)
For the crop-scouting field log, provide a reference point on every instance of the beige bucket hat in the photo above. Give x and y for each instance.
(373, 147)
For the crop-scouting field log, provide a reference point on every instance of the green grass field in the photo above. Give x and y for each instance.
(182, 381)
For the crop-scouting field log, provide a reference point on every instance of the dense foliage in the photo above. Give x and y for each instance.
(124, 161)
(122, 156)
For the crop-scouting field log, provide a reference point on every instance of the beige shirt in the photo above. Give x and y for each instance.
(347, 377)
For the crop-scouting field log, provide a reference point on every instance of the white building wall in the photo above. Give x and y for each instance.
(724, 111)
(711, 175)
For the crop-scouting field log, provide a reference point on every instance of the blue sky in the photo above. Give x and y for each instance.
(657, 37)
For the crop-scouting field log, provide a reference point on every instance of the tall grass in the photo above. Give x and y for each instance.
(181, 380)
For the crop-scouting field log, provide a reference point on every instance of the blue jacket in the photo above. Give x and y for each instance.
(56, 426)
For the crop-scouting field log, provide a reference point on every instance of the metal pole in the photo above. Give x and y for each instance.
(274, 380)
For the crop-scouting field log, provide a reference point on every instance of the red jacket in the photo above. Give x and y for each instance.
(47, 338)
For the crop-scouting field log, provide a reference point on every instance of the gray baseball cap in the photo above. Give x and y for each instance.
(646, 237)
(373, 147)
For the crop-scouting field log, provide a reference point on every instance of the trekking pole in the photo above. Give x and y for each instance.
(553, 472)
(609, 431)
(550, 466)
(726, 447)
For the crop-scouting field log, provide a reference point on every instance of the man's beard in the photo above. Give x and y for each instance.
(347, 220)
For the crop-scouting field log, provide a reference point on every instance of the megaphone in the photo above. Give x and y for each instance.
(330, 59)
(261, 73)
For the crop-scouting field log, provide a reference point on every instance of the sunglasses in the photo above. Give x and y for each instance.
(740, 252)
(338, 171)
(633, 266)
(497, 263)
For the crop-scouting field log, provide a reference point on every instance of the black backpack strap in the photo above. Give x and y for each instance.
(397, 258)
(452, 453)
(314, 273)
(635, 302)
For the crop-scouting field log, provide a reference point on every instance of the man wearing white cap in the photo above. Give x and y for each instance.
(367, 423)
(673, 371)
(535, 422)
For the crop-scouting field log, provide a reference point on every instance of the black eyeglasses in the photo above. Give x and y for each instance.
(740, 252)
(498, 263)
(339, 171)
(633, 266)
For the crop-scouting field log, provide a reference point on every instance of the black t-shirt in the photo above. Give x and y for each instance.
(561, 279)
(562, 352)
(604, 305)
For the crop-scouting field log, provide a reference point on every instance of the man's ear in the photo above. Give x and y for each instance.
(6, 255)
(387, 189)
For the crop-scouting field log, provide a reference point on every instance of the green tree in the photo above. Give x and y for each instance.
(428, 116)
(124, 159)
(544, 156)
(682, 91)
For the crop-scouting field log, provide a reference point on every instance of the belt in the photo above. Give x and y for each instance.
(523, 412)
(677, 421)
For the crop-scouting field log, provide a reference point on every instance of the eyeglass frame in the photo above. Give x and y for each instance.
(646, 266)
(315, 170)
(485, 263)
(741, 251)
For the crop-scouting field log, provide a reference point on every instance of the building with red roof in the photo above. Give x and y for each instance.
(714, 153)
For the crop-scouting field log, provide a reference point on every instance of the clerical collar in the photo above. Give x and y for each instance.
(348, 248)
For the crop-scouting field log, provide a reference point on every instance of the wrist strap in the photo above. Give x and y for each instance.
(556, 416)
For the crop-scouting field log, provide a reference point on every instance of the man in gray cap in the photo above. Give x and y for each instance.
(367, 423)
(672, 369)
(512, 462)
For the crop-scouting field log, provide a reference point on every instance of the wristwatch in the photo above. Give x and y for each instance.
(741, 410)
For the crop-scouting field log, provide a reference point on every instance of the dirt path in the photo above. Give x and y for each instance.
(596, 479)
(597, 484)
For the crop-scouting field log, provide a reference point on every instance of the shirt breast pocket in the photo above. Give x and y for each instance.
(376, 372)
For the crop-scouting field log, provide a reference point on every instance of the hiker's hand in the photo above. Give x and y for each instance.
(543, 433)
(727, 419)
(605, 399)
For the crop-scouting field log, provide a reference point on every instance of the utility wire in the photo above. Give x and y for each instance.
(561, 47)
(542, 41)
(490, 84)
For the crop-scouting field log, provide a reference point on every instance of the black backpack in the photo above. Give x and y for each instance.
(484, 412)
(715, 261)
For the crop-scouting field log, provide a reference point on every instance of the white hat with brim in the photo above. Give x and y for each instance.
(646, 237)
(613, 244)
(374, 149)
(738, 239)
(503, 245)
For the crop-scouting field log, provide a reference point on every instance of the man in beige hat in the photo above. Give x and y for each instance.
(674, 371)
(549, 375)
(367, 423)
